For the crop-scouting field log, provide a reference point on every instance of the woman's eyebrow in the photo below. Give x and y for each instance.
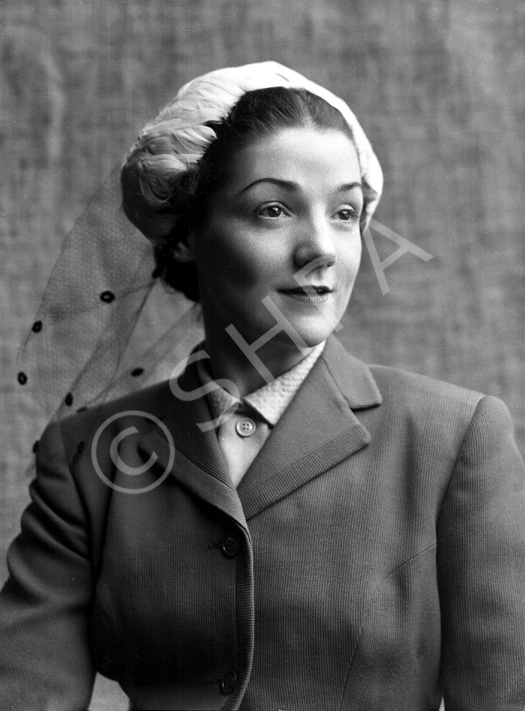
(294, 187)
(346, 187)
(287, 184)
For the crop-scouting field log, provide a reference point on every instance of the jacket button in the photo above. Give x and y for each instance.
(230, 546)
(228, 682)
(245, 427)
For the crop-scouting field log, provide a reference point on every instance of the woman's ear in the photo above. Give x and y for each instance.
(183, 250)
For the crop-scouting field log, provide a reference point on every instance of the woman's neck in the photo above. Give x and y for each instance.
(248, 368)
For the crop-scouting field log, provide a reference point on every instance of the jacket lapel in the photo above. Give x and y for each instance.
(316, 432)
(199, 464)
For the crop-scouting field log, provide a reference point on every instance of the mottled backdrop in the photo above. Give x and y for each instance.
(438, 86)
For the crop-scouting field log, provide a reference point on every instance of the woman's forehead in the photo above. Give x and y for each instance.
(297, 155)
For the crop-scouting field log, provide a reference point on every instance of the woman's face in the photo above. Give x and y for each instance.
(287, 214)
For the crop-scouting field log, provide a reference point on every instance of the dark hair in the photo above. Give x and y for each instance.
(257, 113)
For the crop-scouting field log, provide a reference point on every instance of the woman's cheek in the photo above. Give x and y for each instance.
(254, 263)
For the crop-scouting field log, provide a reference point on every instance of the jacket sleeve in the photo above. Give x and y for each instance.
(45, 662)
(481, 567)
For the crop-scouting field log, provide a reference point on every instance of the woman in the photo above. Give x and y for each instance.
(312, 533)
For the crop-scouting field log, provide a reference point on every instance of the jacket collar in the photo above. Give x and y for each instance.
(351, 376)
(317, 430)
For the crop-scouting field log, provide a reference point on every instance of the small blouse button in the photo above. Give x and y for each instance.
(228, 682)
(245, 427)
(230, 546)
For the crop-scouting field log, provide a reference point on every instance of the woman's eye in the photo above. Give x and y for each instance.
(347, 214)
(273, 211)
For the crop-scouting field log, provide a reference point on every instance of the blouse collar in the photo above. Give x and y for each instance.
(270, 400)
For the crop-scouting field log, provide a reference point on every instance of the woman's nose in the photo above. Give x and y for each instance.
(315, 244)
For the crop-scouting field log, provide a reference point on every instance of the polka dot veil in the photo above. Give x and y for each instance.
(85, 345)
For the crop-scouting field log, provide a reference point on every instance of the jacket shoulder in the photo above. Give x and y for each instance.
(428, 403)
(407, 386)
(71, 433)
(443, 419)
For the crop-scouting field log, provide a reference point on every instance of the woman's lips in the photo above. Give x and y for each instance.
(309, 293)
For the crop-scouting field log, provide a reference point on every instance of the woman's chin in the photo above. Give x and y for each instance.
(316, 328)
(314, 322)
(311, 332)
